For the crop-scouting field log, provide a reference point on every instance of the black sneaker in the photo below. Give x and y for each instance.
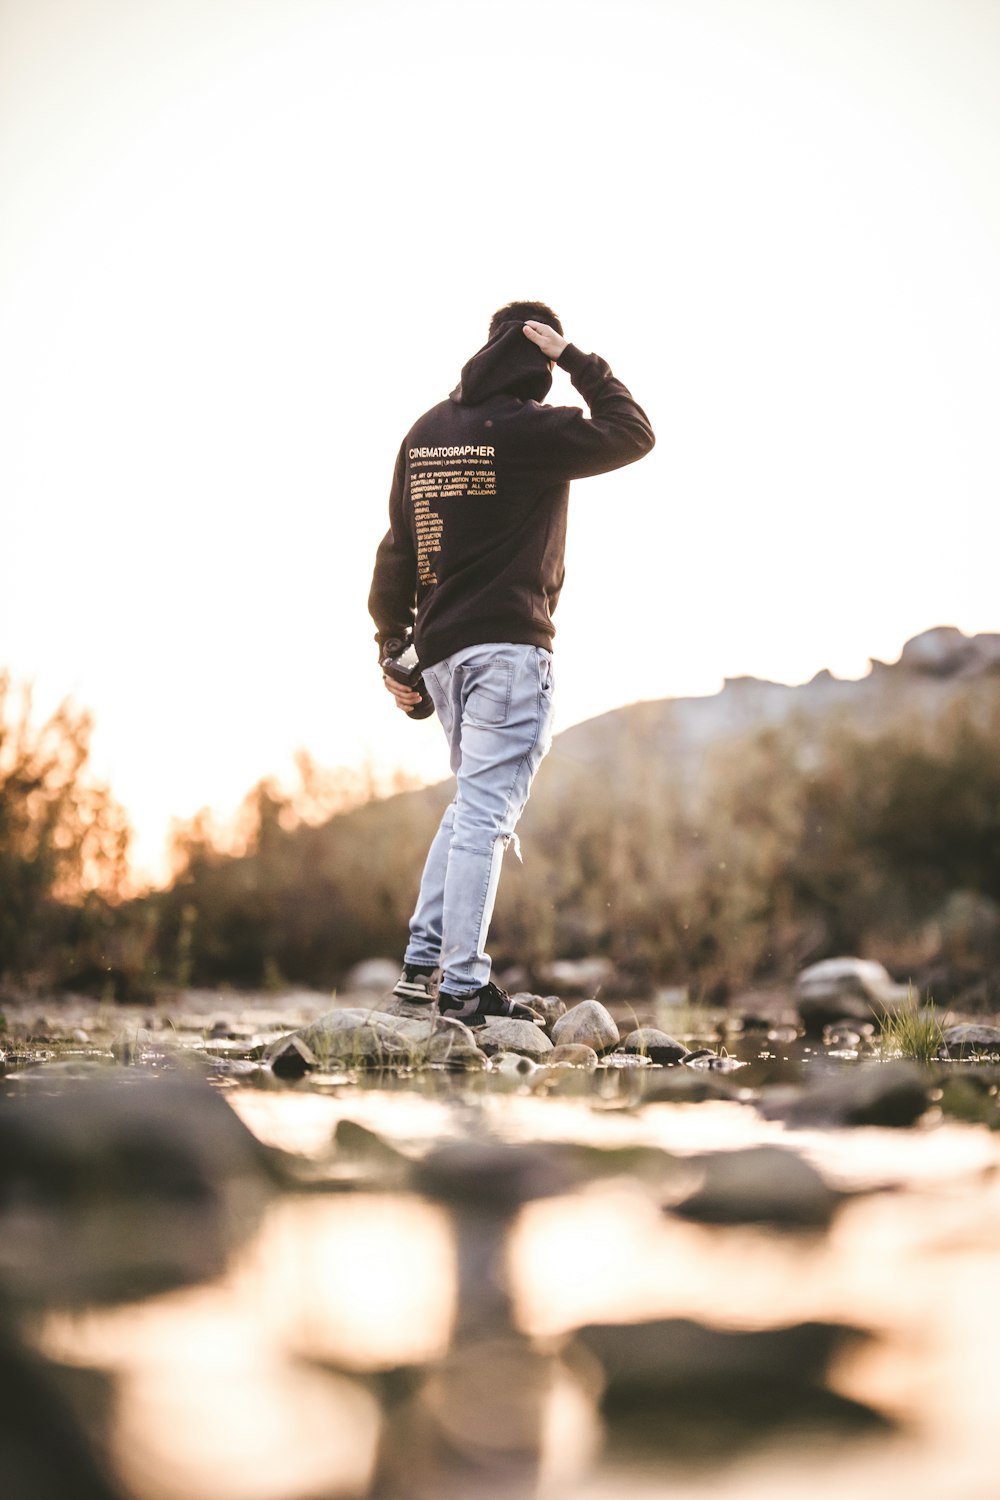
(484, 1005)
(417, 983)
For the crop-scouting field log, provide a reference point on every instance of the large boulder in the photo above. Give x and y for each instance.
(589, 1023)
(354, 1037)
(845, 989)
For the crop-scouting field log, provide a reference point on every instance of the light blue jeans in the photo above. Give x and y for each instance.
(495, 704)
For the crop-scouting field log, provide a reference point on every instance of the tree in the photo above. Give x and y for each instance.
(63, 838)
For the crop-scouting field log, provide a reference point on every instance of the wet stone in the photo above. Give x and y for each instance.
(366, 1038)
(549, 1007)
(657, 1045)
(292, 1058)
(513, 1065)
(713, 1062)
(971, 1040)
(589, 1023)
(573, 1055)
(453, 1045)
(505, 1034)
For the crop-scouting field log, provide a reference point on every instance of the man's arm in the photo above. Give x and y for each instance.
(571, 445)
(392, 599)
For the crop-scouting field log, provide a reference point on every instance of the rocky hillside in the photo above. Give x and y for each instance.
(936, 670)
(711, 842)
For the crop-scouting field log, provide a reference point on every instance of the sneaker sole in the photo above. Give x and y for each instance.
(476, 1020)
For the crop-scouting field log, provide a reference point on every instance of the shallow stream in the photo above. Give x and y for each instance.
(374, 1332)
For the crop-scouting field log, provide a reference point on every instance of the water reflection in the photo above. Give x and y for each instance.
(406, 1322)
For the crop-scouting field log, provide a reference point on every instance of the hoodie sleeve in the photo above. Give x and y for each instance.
(572, 446)
(392, 599)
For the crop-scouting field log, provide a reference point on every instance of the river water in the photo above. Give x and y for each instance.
(268, 1381)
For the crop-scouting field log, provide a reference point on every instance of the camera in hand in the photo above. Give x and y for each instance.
(399, 661)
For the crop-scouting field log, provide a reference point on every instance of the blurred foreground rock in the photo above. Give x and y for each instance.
(674, 1385)
(890, 1093)
(768, 1185)
(118, 1185)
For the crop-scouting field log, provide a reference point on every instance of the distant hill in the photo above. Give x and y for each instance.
(715, 842)
(936, 669)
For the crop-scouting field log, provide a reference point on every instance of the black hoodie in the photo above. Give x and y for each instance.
(477, 511)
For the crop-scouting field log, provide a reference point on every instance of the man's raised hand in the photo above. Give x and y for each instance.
(551, 343)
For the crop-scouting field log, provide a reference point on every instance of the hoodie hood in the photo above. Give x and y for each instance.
(508, 365)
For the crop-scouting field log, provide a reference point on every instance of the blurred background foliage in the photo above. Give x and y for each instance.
(793, 844)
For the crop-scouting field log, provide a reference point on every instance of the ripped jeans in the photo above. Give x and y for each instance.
(495, 703)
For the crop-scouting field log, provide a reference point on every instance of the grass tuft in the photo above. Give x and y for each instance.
(913, 1030)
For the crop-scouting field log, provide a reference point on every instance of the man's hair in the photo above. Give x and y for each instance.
(524, 312)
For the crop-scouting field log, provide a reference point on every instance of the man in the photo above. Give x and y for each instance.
(473, 564)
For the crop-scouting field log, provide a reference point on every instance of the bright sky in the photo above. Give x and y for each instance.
(244, 243)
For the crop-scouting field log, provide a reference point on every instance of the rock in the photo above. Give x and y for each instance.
(453, 1045)
(663, 1376)
(891, 1093)
(713, 1062)
(375, 974)
(505, 1034)
(549, 1007)
(230, 1067)
(761, 1185)
(116, 1184)
(81, 1037)
(590, 1023)
(844, 989)
(291, 1058)
(751, 1021)
(654, 1044)
(573, 1055)
(513, 1065)
(354, 1037)
(971, 1040)
(356, 1143)
(942, 651)
(579, 976)
(413, 1010)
